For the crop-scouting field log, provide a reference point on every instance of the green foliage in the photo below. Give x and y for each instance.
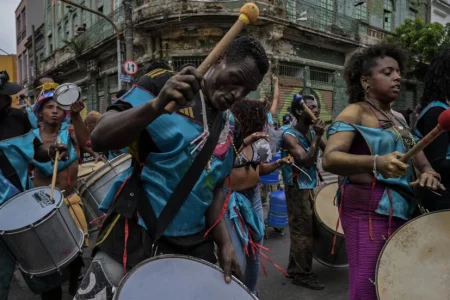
(421, 41)
(76, 44)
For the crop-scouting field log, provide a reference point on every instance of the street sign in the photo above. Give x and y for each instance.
(130, 67)
(126, 78)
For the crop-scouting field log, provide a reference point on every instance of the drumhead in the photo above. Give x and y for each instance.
(325, 209)
(110, 166)
(179, 277)
(415, 262)
(66, 94)
(28, 208)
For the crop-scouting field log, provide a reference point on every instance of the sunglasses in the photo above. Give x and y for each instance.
(48, 86)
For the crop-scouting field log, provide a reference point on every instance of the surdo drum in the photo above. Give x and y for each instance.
(94, 187)
(66, 94)
(39, 232)
(415, 262)
(326, 216)
(179, 277)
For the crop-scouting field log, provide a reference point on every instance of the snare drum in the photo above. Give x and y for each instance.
(179, 277)
(415, 262)
(40, 232)
(94, 188)
(66, 94)
(326, 216)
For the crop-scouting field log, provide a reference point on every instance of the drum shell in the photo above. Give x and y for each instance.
(94, 188)
(323, 241)
(47, 245)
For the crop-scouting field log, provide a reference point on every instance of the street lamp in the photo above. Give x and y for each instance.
(116, 29)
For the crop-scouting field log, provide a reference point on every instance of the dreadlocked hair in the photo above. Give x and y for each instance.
(251, 115)
(361, 63)
(437, 79)
(247, 46)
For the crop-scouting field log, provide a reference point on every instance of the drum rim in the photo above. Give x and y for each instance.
(186, 257)
(67, 86)
(317, 215)
(88, 182)
(393, 234)
(34, 224)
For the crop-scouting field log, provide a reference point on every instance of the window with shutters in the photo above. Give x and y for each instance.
(387, 16)
(292, 70)
(321, 76)
(180, 61)
(361, 12)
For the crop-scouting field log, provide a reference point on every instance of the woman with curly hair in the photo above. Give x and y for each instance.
(435, 100)
(244, 216)
(365, 144)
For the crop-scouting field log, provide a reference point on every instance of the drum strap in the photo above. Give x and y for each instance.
(156, 227)
(10, 172)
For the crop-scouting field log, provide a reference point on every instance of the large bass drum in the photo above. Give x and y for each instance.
(415, 262)
(94, 188)
(39, 231)
(326, 216)
(179, 277)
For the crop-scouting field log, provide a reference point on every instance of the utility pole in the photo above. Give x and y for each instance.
(129, 49)
(116, 29)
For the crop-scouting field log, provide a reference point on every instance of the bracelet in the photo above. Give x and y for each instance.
(374, 159)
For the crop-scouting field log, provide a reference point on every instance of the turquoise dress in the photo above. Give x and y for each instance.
(384, 141)
(163, 170)
(304, 181)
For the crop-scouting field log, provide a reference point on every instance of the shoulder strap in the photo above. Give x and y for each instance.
(9, 171)
(156, 227)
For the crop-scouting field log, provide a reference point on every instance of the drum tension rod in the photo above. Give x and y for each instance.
(372, 282)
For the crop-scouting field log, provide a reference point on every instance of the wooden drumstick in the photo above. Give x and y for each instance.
(249, 13)
(55, 172)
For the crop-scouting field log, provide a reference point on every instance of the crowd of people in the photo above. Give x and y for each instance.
(193, 187)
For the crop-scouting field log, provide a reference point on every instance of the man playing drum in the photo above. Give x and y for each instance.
(302, 142)
(166, 146)
(52, 129)
(18, 144)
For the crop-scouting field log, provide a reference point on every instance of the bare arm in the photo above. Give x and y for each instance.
(276, 94)
(302, 158)
(220, 232)
(81, 132)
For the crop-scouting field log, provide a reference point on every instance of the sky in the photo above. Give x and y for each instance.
(8, 25)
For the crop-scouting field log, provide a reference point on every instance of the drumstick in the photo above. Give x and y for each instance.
(55, 172)
(443, 125)
(248, 14)
(28, 104)
(299, 99)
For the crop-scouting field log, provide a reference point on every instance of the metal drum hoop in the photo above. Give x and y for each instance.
(391, 237)
(165, 256)
(62, 89)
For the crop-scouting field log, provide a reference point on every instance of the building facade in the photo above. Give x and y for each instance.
(8, 63)
(29, 15)
(440, 11)
(308, 41)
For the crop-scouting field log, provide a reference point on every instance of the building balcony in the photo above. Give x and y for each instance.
(301, 13)
(371, 35)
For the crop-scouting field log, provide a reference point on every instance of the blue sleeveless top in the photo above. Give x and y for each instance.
(381, 142)
(32, 117)
(163, 171)
(423, 112)
(19, 151)
(305, 182)
(47, 168)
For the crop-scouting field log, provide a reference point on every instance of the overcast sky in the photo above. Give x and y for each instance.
(8, 25)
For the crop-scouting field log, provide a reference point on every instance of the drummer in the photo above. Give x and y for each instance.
(302, 142)
(365, 145)
(87, 154)
(167, 139)
(15, 130)
(51, 117)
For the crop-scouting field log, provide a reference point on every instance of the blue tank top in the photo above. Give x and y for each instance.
(19, 151)
(304, 182)
(381, 142)
(163, 171)
(47, 168)
(32, 117)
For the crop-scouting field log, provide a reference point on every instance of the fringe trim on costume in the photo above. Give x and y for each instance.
(222, 212)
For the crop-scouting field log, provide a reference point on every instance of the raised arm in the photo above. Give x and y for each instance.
(81, 132)
(276, 94)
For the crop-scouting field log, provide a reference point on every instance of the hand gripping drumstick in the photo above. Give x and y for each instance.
(299, 99)
(443, 125)
(249, 13)
(55, 172)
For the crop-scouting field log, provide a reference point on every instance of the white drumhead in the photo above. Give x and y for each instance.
(66, 94)
(415, 262)
(28, 207)
(325, 209)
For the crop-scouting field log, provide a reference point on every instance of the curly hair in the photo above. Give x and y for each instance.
(251, 115)
(361, 64)
(437, 79)
(247, 46)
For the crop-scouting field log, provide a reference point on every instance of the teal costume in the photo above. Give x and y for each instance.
(384, 141)
(32, 117)
(303, 181)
